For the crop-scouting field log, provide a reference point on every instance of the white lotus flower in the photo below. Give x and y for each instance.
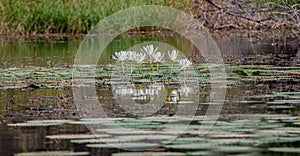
(120, 56)
(130, 55)
(173, 55)
(149, 49)
(158, 57)
(184, 63)
(139, 57)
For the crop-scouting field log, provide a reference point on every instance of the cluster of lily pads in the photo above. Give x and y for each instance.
(154, 57)
(244, 134)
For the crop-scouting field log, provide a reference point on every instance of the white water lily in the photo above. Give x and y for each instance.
(173, 55)
(139, 58)
(158, 57)
(184, 63)
(120, 56)
(130, 57)
(150, 50)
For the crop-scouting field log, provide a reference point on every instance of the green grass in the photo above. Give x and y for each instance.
(65, 16)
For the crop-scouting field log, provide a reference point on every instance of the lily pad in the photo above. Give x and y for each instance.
(285, 149)
(148, 137)
(233, 141)
(77, 136)
(191, 147)
(235, 149)
(127, 145)
(52, 153)
(201, 153)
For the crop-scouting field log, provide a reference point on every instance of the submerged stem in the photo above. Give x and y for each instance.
(140, 70)
(187, 74)
(150, 63)
(122, 67)
(171, 70)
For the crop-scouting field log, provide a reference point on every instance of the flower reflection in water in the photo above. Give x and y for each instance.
(140, 99)
(140, 92)
(185, 91)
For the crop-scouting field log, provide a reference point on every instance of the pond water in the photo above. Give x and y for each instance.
(260, 115)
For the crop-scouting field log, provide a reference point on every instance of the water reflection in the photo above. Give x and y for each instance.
(140, 99)
(139, 92)
(18, 102)
(61, 52)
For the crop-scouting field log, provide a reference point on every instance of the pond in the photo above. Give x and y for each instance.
(260, 114)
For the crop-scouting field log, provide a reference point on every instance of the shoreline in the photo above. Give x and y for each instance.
(276, 33)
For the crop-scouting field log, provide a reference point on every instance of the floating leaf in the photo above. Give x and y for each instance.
(191, 147)
(285, 149)
(52, 153)
(148, 137)
(127, 145)
(201, 153)
(235, 149)
(77, 136)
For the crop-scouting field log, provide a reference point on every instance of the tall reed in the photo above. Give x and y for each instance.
(64, 16)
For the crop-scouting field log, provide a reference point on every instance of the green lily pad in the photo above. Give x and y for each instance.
(52, 153)
(235, 149)
(105, 140)
(191, 147)
(278, 102)
(285, 149)
(201, 153)
(270, 140)
(233, 141)
(126, 132)
(127, 145)
(148, 137)
(77, 136)
(188, 140)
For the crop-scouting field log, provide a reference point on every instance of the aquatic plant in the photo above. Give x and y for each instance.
(158, 57)
(139, 58)
(48, 153)
(64, 17)
(130, 58)
(150, 50)
(173, 55)
(184, 63)
(120, 56)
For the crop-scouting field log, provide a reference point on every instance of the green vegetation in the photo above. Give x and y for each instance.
(63, 16)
